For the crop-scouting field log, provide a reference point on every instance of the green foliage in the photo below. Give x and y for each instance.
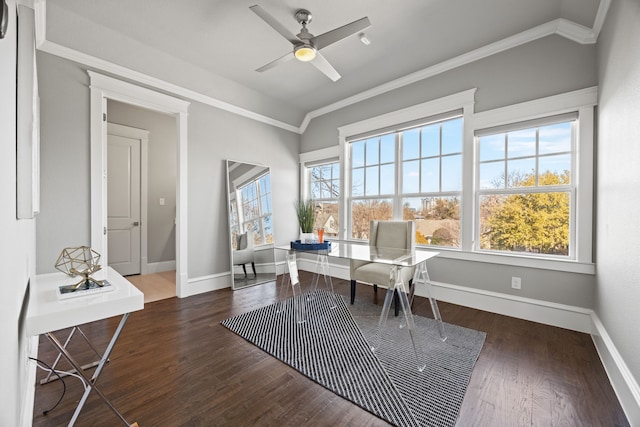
(306, 217)
(531, 222)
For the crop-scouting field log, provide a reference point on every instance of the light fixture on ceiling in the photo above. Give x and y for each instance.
(364, 39)
(305, 53)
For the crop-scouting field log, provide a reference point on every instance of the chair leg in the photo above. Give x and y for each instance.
(245, 271)
(253, 265)
(353, 291)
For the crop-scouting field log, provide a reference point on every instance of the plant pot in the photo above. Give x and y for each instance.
(307, 237)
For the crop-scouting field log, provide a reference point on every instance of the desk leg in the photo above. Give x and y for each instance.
(322, 268)
(398, 285)
(294, 280)
(421, 275)
(90, 382)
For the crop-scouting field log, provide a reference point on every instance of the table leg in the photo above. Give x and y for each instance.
(322, 268)
(90, 382)
(49, 378)
(396, 284)
(421, 275)
(294, 279)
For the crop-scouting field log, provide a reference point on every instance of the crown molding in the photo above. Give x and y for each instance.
(562, 27)
(93, 62)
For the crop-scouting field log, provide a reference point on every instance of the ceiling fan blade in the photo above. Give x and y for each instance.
(340, 33)
(287, 56)
(321, 63)
(266, 17)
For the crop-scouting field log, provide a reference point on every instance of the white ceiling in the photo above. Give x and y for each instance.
(228, 39)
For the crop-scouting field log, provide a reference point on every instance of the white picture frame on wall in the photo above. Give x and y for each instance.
(28, 119)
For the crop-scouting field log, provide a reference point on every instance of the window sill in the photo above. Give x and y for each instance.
(568, 266)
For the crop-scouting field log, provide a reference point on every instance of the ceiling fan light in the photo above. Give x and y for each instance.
(305, 53)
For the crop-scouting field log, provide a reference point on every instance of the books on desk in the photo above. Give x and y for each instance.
(70, 291)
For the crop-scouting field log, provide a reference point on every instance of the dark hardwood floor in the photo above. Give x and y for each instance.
(175, 365)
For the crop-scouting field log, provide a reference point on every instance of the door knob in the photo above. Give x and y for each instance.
(135, 224)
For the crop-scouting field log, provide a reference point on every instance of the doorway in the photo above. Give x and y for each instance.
(105, 88)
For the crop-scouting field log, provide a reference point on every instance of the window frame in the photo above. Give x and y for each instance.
(399, 195)
(308, 168)
(582, 102)
(316, 158)
(571, 188)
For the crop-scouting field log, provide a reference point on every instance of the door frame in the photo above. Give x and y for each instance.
(143, 136)
(103, 88)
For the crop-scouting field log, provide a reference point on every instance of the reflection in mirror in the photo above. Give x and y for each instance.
(250, 224)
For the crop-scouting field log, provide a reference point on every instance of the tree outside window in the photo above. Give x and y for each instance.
(324, 181)
(526, 190)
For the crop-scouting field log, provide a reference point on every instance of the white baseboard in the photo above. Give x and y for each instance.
(208, 283)
(545, 312)
(548, 313)
(28, 399)
(159, 267)
(623, 382)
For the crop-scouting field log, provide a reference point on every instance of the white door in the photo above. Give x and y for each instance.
(123, 204)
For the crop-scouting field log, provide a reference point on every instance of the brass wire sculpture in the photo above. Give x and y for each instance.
(80, 261)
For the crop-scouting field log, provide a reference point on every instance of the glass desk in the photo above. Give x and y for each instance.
(396, 259)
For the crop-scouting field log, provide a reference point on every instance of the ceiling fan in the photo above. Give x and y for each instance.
(306, 46)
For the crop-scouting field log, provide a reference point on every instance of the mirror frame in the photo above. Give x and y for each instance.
(265, 263)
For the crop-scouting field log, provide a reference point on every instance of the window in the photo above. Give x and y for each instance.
(324, 189)
(255, 209)
(526, 188)
(510, 185)
(414, 173)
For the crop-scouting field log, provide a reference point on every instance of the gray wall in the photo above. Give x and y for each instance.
(17, 243)
(618, 206)
(213, 136)
(541, 68)
(161, 233)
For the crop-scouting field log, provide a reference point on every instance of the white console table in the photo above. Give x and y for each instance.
(47, 313)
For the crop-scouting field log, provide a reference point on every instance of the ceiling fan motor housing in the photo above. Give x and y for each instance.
(303, 16)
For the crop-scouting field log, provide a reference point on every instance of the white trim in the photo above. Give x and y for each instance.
(624, 384)
(582, 101)
(26, 413)
(415, 112)
(143, 136)
(101, 88)
(212, 282)
(321, 154)
(562, 27)
(544, 312)
(162, 266)
(100, 64)
(537, 108)
(312, 156)
(516, 260)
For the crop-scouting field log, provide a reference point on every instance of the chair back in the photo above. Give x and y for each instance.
(392, 234)
(244, 240)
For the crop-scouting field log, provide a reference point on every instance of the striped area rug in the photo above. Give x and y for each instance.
(333, 348)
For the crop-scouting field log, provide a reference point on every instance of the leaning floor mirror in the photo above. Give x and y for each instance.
(250, 224)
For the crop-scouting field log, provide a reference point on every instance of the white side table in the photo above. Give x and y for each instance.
(47, 314)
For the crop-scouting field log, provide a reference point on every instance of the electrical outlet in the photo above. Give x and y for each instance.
(516, 283)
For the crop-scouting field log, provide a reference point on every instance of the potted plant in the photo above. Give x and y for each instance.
(306, 218)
